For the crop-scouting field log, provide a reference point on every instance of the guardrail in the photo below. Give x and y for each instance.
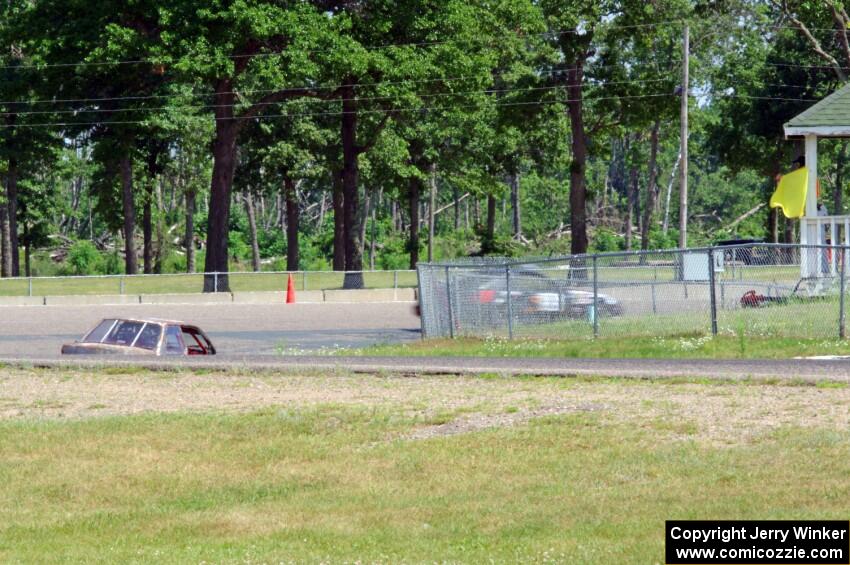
(178, 283)
(751, 289)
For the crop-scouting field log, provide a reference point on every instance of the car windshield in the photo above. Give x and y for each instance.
(99, 332)
(124, 333)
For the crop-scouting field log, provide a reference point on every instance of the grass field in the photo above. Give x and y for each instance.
(233, 468)
(162, 284)
(816, 318)
(695, 346)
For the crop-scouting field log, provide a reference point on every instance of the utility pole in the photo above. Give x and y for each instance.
(683, 168)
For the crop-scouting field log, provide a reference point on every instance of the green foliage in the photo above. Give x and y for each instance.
(84, 259)
(606, 240)
(239, 248)
(469, 95)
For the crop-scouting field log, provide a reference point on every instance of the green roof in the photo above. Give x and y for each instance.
(834, 110)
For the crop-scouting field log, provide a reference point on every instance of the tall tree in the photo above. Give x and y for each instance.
(268, 48)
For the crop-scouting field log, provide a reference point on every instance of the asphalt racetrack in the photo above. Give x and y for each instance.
(299, 337)
(237, 330)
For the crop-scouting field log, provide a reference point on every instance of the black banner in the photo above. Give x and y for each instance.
(744, 542)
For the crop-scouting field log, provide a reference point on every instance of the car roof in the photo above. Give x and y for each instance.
(150, 321)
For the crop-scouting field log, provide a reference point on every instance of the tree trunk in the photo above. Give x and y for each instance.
(456, 197)
(189, 236)
(12, 199)
(394, 215)
(373, 231)
(322, 210)
(666, 225)
(631, 191)
(224, 163)
(27, 250)
(774, 225)
(126, 169)
(490, 233)
(515, 206)
(431, 207)
(651, 187)
(362, 215)
(292, 225)
(280, 212)
(147, 231)
(5, 243)
(159, 248)
(339, 224)
(413, 243)
(351, 197)
(578, 187)
(252, 228)
(789, 231)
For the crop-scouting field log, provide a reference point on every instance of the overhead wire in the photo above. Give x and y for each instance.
(341, 113)
(243, 104)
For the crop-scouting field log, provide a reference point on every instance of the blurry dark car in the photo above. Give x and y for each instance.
(746, 251)
(120, 336)
(536, 296)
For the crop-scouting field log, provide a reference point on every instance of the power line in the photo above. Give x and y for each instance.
(831, 29)
(537, 72)
(802, 66)
(778, 98)
(341, 113)
(319, 100)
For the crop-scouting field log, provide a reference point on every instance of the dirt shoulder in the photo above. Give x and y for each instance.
(723, 413)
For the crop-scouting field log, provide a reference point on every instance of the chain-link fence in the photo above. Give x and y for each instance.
(753, 289)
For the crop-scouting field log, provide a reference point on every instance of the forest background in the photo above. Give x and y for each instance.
(186, 136)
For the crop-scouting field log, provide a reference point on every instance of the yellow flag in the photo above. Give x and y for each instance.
(790, 195)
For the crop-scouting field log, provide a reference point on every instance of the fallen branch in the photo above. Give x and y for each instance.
(744, 216)
(447, 206)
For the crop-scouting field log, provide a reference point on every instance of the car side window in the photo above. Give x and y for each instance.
(173, 341)
(123, 333)
(195, 344)
(98, 333)
(149, 336)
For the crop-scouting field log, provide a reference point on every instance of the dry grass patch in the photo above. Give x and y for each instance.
(230, 467)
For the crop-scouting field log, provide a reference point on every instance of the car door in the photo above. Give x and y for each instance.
(197, 343)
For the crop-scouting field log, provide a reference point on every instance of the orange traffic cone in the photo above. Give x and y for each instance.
(290, 290)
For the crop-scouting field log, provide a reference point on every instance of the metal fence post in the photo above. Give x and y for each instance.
(509, 302)
(712, 291)
(29, 286)
(303, 280)
(395, 280)
(842, 333)
(654, 307)
(215, 281)
(120, 285)
(595, 305)
(422, 320)
(449, 300)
